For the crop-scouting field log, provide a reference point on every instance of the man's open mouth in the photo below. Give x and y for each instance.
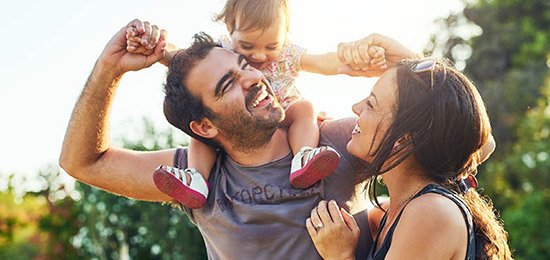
(260, 96)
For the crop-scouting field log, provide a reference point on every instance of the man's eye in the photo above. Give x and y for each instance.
(227, 85)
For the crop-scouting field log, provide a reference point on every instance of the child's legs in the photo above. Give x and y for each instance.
(201, 157)
(302, 122)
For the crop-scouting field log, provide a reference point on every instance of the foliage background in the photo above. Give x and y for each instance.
(508, 60)
(88, 223)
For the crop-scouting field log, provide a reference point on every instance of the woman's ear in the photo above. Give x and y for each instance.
(403, 140)
(204, 128)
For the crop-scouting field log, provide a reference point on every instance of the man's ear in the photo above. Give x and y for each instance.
(204, 128)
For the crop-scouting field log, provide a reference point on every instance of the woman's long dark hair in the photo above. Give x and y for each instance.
(444, 119)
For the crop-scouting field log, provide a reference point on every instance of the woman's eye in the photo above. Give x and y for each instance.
(246, 47)
(369, 104)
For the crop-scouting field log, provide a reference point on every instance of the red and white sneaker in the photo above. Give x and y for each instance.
(318, 163)
(172, 181)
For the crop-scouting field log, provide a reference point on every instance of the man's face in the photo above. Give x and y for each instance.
(247, 112)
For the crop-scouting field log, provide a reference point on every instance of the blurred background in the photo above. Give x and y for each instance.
(50, 48)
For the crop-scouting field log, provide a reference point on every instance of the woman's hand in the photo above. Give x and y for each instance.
(333, 230)
(362, 57)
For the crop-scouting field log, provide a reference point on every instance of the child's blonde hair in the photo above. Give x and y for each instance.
(253, 14)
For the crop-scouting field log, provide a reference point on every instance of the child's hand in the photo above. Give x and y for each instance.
(362, 59)
(378, 58)
(143, 37)
(361, 55)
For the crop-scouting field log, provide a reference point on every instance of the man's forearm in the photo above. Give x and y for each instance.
(87, 136)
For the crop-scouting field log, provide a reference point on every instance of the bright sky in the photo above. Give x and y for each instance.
(49, 48)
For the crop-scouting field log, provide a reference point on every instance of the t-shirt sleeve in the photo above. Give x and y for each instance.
(337, 134)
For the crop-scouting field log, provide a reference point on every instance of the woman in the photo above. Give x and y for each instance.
(422, 130)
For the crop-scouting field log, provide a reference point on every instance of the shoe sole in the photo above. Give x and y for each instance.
(173, 187)
(319, 167)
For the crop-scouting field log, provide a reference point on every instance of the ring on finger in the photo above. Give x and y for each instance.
(318, 226)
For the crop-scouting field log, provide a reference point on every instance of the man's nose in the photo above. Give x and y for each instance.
(251, 78)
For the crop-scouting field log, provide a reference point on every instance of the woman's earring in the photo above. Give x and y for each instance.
(380, 180)
(395, 146)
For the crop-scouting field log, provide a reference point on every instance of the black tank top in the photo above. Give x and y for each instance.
(430, 188)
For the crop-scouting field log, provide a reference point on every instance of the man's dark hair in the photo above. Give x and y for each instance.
(180, 106)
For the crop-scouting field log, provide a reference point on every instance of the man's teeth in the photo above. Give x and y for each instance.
(356, 130)
(261, 97)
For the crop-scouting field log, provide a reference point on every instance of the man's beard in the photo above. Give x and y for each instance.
(247, 132)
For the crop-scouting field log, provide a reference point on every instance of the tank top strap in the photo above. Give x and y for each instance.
(464, 209)
(381, 252)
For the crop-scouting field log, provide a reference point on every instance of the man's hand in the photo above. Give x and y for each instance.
(142, 37)
(116, 57)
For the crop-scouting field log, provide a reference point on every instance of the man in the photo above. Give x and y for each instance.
(252, 211)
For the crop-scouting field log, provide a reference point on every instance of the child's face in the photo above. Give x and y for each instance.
(260, 48)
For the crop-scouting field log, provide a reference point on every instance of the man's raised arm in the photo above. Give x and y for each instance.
(86, 153)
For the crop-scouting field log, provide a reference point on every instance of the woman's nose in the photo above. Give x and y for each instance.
(356, 108)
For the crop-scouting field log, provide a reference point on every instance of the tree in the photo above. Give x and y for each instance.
(37, 224)
(113, 226)
(529, 164)
(507, 61)
(53, 221)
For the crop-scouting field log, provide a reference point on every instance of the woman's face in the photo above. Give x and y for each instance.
(375, 116)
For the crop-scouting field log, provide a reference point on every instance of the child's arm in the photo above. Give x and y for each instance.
(326, 64)
(142, 38)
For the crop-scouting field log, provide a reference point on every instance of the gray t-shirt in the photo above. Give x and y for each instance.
(254, 212)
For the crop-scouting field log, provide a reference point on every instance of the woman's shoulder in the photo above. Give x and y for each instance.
(431, 221)
(434, 209)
